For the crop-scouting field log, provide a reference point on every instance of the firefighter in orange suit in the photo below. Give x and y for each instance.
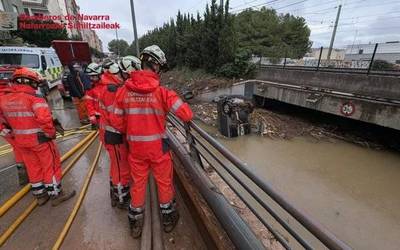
(91, 97)
(28, 119)
(140, 111)
(120, 179)
(19, 162)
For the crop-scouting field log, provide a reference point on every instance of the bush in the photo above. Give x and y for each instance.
(241, 67)
(380, 65)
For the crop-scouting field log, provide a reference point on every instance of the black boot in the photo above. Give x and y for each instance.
(61, 197)
(136, 219)
(124, 197)
(113, 197)
(170, 216)
(22, 174)
(40, 193)
(42, 198)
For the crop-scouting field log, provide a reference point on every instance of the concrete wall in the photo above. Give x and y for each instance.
(379, 113)
(373, 86)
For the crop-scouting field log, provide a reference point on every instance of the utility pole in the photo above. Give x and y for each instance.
(221, 3)
(116, 35)
(334, 32)
(135, 29)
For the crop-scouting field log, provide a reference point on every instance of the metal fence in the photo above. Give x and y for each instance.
(267, 204)
(356, 64)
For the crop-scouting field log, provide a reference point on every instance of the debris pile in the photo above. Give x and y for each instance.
(181, 81)
(206, 112)
(284, 126)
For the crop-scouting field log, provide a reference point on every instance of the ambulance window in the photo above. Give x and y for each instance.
(52, 61)
(27, 60)
(44, 63)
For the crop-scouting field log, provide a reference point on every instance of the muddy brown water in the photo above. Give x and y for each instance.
(351, 190)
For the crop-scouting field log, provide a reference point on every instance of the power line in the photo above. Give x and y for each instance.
(244, 4)
(258, 5)
(299, 2)
(373, 5)
(317, 5)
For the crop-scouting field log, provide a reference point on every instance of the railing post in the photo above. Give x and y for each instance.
(372, 59)
(191, 142)
(284, 62)
(320, 55)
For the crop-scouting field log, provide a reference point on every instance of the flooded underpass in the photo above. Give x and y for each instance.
(349, 189)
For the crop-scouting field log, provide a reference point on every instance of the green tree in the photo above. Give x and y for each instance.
(119, 47)
(227, 38)
(222, 43)
(76, 37)
(96, 53)
(265, 33)
(40, 37)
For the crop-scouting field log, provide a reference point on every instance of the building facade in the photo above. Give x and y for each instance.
(11, 6)
(337, 54)
(389, 52)
(93, 39)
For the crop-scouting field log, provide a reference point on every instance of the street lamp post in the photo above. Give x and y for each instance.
(134, 28)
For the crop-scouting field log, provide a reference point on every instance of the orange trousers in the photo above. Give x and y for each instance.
(80, 107)
(162, 170)
(16, 150)
(119, 167)
(43, 165)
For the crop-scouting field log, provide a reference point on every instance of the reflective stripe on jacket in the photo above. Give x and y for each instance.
(140, 110)
(26, 114)
(92, 100)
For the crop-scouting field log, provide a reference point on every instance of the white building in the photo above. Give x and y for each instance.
(93, 39)
(11, 6)
(389, 52)
(336, 54)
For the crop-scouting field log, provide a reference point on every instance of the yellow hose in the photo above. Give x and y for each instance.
(6, 149)
(15, 198)
(17, 222)
(78, 203)
(10, 230)
(5, 146)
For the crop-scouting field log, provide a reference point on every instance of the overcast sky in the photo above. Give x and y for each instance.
(361, 21)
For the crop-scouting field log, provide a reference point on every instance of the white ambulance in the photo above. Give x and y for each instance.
(42, 60)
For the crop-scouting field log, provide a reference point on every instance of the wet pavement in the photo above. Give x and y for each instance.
(97, 225)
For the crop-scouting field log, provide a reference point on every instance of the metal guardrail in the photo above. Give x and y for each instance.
(238, 231)
(335, 70)
(201, 143)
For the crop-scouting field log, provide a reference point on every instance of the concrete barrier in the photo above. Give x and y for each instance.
(387, 87)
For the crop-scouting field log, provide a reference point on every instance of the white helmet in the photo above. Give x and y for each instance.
(153, 54)
(111, 67)
(94, 69)
(129, 64)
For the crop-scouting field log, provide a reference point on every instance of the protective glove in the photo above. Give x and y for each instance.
(93, 122)
(43, 137)
(58, 126)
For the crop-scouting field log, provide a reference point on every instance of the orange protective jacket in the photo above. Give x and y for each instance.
(92, 99)
(109, 85)
(26, 114)
(140, 111)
